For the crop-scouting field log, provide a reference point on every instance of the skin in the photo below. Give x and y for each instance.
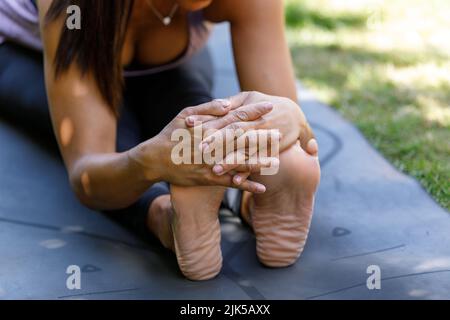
(105, 179)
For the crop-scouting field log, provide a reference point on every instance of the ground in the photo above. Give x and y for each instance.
(385, 66)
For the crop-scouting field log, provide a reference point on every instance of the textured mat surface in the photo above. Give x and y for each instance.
(366, 214)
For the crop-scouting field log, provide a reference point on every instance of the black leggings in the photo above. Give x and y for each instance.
(150, 103)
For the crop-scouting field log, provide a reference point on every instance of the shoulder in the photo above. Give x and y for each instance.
(44, 5)
(50, 30)
(236, 11)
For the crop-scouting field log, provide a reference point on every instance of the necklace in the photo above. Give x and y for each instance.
(166, 20)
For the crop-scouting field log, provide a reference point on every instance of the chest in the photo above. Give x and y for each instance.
(148, 42)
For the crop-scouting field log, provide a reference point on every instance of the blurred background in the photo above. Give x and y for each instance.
(385, 66)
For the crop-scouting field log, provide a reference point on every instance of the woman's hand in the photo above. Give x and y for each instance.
(286, 117)
(155, 157)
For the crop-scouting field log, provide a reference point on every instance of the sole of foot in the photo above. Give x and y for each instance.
(281, 217)
(196, 230)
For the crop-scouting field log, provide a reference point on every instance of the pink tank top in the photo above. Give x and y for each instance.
(19, 23)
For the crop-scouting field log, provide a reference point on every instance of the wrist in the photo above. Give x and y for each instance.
(143, 161)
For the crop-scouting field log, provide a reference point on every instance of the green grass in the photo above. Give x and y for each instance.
(385, 65)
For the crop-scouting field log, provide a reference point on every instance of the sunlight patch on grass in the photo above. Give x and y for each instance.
(389, 75)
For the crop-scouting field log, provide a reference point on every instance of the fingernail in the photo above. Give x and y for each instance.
(268, 106)
(238, 180)
(218, 169)
(312, 144)
(190, 120)
(260, 189)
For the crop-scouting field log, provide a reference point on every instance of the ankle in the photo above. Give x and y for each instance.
(158, 220)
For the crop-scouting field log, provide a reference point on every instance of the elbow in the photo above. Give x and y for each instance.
(80, 184)
(88, 177)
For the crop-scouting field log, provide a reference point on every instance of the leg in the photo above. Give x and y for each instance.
(195, 221)
(187, 221)
(196, 230)
(281, 217)
(135, 217)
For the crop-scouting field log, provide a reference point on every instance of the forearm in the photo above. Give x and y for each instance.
(110, 181)
(264, 64)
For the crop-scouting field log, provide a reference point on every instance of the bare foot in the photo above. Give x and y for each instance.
(281, 217)
(186, 222)
(196, 230)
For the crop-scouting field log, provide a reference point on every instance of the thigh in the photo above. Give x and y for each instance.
(129, 133)
(158, 98)
(23, 97)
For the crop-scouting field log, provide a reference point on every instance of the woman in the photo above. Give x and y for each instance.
(133, 74)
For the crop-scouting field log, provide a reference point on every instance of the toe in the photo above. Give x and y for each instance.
(312, 148)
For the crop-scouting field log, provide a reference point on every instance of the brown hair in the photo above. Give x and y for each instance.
(97, 46)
